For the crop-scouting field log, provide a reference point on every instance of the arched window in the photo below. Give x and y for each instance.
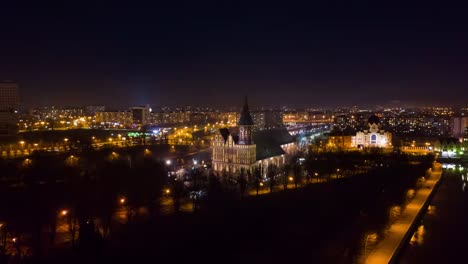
(373, 139)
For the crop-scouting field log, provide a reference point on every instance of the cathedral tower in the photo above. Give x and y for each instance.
(245, 126)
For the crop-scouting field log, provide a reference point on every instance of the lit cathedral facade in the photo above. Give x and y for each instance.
(373, 137)
(239, 148)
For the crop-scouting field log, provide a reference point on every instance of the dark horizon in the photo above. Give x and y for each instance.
(213, 54)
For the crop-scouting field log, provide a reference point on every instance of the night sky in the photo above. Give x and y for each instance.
(278, 53)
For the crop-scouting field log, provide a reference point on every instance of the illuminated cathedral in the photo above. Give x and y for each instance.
(373, 137)
(239, 148)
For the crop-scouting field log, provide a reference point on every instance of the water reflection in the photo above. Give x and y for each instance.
(431, 210)
(418, 236)
(464, 179)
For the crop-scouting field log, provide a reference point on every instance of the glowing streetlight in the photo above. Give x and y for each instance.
(168, 191)
(64, 212)
(65, 139)
(168, 162)
(290, 178)
(22, 144)
(122, 200)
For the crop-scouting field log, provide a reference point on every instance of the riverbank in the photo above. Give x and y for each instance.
(400, 232)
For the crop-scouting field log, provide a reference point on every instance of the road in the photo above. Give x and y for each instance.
(442, 236)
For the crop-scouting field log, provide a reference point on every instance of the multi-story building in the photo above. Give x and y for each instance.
(267, 119)
(9, 106)
(91, 110)
(459, 126)
(240, 148)
(141, 115)
(9, 98)
(117, 119)
(8, 124)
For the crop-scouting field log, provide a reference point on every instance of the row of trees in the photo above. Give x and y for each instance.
(85, 195)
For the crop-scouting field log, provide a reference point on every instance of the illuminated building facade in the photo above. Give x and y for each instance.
(241, 148)
(459, 126)
(373, 137)
(115, 119)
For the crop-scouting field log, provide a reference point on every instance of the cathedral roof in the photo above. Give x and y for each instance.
(268, 142)
(245, 118)
(374, 119)
(225, 132)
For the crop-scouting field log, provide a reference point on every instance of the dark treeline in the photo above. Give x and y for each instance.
(320, 222)
(83, 191)
(87, 190)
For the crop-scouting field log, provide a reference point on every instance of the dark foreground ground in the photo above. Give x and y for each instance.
(323, 223)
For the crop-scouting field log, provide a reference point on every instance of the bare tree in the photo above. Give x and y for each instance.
(286, 170)
(242, 182)
(297, 173)
(257, 178)
(272, 171)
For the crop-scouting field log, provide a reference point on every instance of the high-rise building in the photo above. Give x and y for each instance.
(9, 98)
(459, 126)
(267, 119)
(9, 106)
(141, 115)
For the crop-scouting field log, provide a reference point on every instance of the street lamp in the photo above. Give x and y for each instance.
(168, 162)
(22, 144)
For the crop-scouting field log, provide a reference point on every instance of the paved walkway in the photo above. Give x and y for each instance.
(390, 245)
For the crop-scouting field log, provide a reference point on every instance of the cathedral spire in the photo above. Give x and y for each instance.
(245, 118)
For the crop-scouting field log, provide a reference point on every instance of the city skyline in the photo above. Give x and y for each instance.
(206, 54)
